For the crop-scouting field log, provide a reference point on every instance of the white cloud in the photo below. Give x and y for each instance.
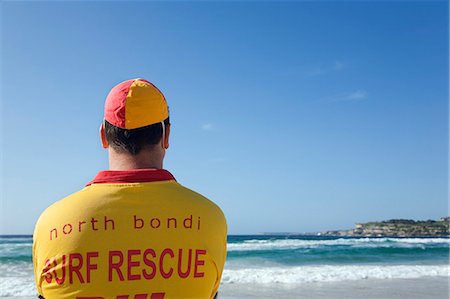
(207, 127)
(338, 65)
(357, 95)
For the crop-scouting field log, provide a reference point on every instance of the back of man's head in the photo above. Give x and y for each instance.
(136, 117)
(132, 141)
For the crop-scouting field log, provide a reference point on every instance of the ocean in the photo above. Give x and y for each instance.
(279, 261)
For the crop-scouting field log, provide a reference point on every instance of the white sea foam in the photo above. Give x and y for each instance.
(281, 244)
(305, 274)
(15, 269)
(16, 279)
(17, 286)
(24, 285)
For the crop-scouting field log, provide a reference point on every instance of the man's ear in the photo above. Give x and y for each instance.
(166, 137)
(103, 136)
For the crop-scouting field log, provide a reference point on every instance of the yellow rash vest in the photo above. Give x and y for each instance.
(134, 234)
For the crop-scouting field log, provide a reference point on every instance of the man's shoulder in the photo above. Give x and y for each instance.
(59, 208)
(200, 199)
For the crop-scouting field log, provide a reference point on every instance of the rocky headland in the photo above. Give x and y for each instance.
(396, 228)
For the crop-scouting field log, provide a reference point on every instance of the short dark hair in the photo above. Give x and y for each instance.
(133, 140)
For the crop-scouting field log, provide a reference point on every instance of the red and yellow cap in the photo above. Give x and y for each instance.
(134, 104)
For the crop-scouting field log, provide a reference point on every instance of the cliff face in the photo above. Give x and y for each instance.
(397, 228)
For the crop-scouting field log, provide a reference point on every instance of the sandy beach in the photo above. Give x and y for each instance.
(423, 288)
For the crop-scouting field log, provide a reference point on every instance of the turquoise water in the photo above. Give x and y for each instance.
(315, 250)
(279, 259)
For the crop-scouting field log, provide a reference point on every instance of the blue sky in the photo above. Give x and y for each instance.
(292, 116)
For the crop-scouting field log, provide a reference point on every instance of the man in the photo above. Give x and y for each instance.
(133, 231)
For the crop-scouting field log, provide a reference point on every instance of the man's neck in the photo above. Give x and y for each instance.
(144, 159)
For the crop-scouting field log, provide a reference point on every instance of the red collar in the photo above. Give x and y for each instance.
(131, 176)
